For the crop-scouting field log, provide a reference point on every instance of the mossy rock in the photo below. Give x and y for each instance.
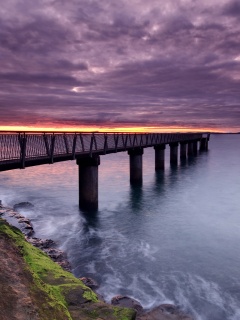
(55, 293)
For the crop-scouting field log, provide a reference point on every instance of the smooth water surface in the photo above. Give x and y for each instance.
(175, 239)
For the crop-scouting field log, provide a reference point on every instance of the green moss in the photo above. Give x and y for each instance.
(124, 313)
(90, 295)
(58, 294)
(38, 264)
(111, 313)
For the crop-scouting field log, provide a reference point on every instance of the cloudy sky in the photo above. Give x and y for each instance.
(120, 63)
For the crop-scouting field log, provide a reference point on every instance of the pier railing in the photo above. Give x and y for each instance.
(18, 150)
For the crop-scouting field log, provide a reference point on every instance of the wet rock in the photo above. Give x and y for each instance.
(5, 210)
(65, 265)
(169, 308)
(165, 312)
(11, 213)
(41, 243)
(19, 216)
(59, 257)
(24, 220)
(55, 254)
(46, 245)
(27, 229)
(28, 226)
(89, 282)
(23, 205)
(28, 232)
(127, 302)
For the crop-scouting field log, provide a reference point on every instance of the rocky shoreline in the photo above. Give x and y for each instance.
(162, 312)
(46, 245)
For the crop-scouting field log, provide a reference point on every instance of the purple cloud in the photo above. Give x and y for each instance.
(153, 63)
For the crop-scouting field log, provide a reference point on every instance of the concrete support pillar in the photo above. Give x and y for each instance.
(190, 148)
(159, 156)
(204, 144)
(183, 150)
(88, 182)
(135, 159)
(173, 153)
(207, 144)
(195, 147)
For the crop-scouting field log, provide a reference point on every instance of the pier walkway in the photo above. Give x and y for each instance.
(21, 150)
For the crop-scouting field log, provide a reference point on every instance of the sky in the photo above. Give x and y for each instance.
(135, 65)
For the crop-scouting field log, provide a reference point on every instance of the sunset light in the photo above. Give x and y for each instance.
(109, 129)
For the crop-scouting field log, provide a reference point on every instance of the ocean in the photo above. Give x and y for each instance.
(175, 239)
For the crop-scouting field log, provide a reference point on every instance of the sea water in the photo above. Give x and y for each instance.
(175, 239)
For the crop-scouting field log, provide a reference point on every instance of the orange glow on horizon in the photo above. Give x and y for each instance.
(150, 129)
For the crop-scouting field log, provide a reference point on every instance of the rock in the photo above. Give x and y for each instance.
(23, 205)
(65, 265)
(89, 282)
(169, 308)
(0, 203)
(24, 220)
(46, 245)
(5, 209)
(75, 297)
(55, 254)
(127, 302)
(28, 232)
(41, 243)
(165, 312)
(28, 226)
(11, 213)
(19, 216)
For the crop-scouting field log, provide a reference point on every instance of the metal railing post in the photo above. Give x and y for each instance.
(22, 141)
(52, 148)
(74, 146)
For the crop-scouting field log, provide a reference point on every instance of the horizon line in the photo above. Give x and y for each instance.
(119, 129)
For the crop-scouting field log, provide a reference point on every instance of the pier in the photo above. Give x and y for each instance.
(21, 150)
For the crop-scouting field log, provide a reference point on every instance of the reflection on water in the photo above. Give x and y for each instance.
(90, 220)
(173, 239)
(159, 185)
(135, 196)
